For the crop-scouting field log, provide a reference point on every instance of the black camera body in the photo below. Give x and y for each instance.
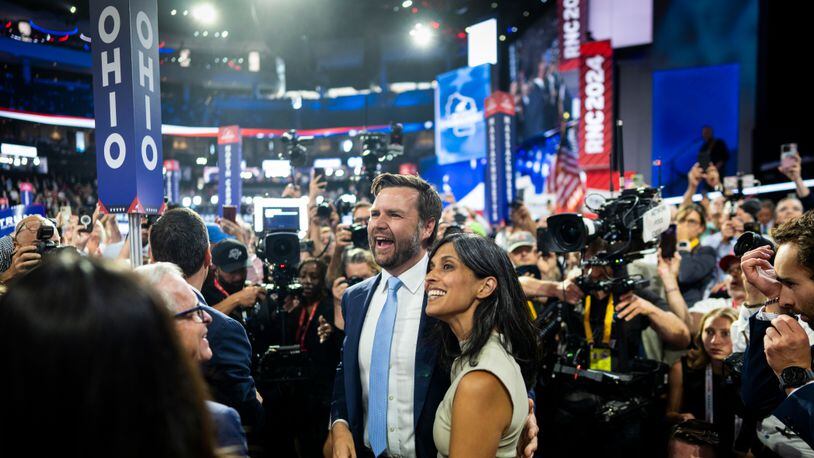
(619, 224)
(280, 252)
(43, 242)
(354, 280)
(295, 150)
(748, 241)
(358, 236)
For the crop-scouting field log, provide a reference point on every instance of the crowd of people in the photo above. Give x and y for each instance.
(429, 335)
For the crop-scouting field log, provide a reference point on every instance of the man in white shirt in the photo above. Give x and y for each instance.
(389, 383)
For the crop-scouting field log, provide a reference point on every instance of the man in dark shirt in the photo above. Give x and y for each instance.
(225, 285)
(718, 151)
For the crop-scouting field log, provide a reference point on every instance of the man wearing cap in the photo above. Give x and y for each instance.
(225, 285)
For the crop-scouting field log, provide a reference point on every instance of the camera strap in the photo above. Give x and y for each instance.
(708, 410)
(589, 333)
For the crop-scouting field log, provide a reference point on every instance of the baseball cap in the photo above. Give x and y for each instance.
(216, 234)
(230, 255)
(726, 262)
(520, 239)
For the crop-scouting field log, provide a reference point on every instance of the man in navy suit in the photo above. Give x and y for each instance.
(180, 237)
(191, 323)
(393, 415)
(777, 375)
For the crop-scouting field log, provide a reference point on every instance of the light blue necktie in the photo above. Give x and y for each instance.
(380, 370)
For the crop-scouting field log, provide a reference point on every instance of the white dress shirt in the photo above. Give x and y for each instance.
(401, 383)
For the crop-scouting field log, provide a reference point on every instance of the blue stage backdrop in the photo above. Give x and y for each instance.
(684, 100)
(460, 129)
(127, 105)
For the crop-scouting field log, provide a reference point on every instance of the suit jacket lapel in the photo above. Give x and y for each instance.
(425, 361)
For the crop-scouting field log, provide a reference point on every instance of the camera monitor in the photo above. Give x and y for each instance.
(280, 214)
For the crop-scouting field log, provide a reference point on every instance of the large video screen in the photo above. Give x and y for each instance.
(541, 93)
(460, 129)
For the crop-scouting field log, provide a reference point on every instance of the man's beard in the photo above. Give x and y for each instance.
(401, 254)
(231, 288)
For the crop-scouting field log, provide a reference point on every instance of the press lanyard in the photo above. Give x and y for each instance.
(302, 331)
(220, 288)
(709, 417)
(589, 333)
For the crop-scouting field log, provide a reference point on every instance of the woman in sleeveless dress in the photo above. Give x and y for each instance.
(489, 342)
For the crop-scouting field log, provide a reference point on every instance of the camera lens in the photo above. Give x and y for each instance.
(568, 232)
(282, 248)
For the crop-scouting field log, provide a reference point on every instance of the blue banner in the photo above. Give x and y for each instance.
(499, 178)
(11, 217)
(127, 105)
(460, 130)
(230, 185)
(172, 180)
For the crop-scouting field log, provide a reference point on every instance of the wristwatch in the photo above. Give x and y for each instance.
(795, 377)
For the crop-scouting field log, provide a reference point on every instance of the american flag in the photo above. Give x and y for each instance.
(566, 182)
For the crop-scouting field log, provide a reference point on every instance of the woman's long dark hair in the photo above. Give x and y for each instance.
(92, 366)
(506, 310)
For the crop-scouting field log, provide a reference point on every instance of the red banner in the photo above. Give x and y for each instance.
(228, 134)
(596, 106)
(572, 25)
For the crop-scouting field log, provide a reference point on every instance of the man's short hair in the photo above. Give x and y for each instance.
(362, 204)
(429, 202)
(155, 273)
(799, 231)
(359, 256)
(180, 237)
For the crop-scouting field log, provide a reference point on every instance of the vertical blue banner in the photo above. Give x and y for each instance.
(26, 193)
(172, 180)
(127, 105)
(499, 178)
(230, 186)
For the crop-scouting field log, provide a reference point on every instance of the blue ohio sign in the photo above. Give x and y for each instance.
(127, 105)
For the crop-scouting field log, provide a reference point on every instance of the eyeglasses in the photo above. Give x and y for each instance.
(199, 312)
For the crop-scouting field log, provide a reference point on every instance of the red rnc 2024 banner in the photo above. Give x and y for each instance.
(572, 25)
(596, 107)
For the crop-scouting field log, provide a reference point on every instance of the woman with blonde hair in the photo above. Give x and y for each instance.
(701, 398)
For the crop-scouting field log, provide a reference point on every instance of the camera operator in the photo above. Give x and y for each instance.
(787, 208)
(637, 310)
(695, 176)
(225, 285)
(305, 406)
(361, 212)
(777, 365)
(32, 238)
(357, 265)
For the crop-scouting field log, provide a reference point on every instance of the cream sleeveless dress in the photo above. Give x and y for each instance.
(495, 359)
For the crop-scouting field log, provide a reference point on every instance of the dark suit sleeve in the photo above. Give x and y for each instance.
(339, 408)
(797, 412)
(231, 368)
(760, 389)
(697, 265)
(228, 429)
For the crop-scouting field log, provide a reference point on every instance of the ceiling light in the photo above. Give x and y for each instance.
(185, 12)
(407, 3)
(421, 35)
(73, 9)
(205, 33)
(204, 13)
(224, 34)
(173, 12)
